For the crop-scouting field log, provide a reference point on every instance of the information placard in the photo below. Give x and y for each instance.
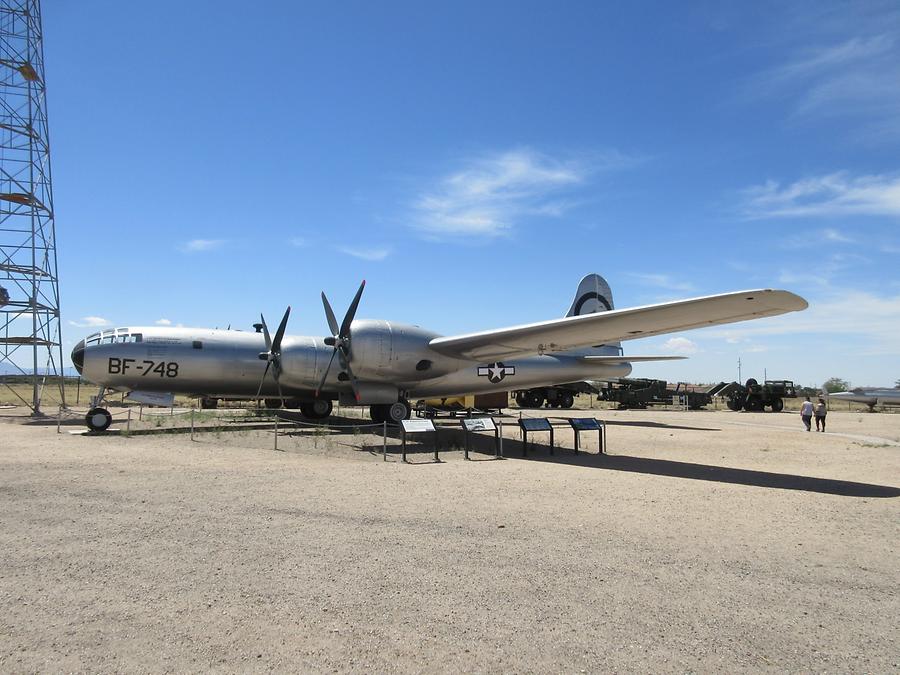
(584, 424)
(478, 424)
(535, 424)
(415, 426)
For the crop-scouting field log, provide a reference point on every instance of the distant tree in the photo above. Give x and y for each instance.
(833, 384)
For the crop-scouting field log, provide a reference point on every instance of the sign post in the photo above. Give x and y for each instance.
(474, 424)
(418, 426)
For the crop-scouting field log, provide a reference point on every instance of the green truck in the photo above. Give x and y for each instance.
(755, 397)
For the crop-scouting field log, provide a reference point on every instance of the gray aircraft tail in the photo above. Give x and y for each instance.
(594, 295)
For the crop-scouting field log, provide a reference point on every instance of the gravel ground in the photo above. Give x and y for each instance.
(705, 541)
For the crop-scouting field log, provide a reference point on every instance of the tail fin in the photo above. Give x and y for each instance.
(593, 295)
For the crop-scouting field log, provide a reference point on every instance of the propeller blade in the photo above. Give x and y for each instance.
(329, 314)
(266, 333)
(325, 374)
(279, 334)
(265, 372)
(345, 364)
(351, 312)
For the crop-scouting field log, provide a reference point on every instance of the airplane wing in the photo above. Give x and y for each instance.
(573, 332)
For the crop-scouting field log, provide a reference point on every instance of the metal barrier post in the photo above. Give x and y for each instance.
(500, 437)
(58, 419)
(192, 423)
(276, 432)
(384, 441)
(466, 451)
(436, 458)
(404, 442)
(128, 426)
(141, 412)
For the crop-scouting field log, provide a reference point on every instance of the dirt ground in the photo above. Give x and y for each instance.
(704, 541)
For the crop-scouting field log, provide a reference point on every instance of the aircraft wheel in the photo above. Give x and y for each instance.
(520, 399)
(396, 412)
(98, 419)
(566, 400)
(532, 399)
(272, 402)
(376, 412)
(317, 410)
(207, 403)
(777, 405)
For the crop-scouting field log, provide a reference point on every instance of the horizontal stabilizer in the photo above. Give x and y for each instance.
(630, 359)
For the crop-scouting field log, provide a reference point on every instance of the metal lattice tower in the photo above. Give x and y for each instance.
(30, 335)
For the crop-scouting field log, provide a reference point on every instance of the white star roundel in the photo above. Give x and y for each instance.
(495, 372)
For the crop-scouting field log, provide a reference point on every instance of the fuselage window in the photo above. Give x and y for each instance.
(137, 337)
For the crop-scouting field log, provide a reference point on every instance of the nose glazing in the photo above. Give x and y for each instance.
(78, 356)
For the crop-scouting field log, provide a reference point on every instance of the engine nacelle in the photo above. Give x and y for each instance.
(398, 351)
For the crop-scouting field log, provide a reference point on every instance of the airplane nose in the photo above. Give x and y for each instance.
(78, 356)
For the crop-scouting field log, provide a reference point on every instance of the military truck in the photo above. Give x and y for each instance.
(560, 396)
(631, 393)
(755, 397)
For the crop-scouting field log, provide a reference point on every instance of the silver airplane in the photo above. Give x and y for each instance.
(870, 397)
(383, 364)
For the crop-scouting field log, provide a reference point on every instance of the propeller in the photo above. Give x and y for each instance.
(341, 339)
(272, 355)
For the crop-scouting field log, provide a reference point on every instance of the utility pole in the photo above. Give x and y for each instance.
(740, 379)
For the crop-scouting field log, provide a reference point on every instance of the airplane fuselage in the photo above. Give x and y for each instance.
(390, 360)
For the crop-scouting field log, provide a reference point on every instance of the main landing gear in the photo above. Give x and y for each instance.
(392, 413)
(318, 409)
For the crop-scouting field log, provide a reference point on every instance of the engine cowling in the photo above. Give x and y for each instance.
(381, 349)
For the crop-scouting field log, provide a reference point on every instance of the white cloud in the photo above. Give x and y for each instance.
(196, 245)
(680, 345)
(830, 234)
(836, 194)
(490, 194)
(299, 242)
(91, 322)
(372, 254)
(163, 322)
(853, 74)
(662, 281)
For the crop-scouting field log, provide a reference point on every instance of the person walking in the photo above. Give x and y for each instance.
(806, 413)
(821, 411)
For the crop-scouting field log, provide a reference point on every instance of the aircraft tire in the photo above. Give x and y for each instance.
(317, 410)
(532, 399)
(777, 405)
(397, 412)
(272, 403)
(98, 419)
(207, 403)
(566, 400)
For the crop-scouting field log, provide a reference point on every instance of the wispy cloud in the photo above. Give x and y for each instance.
(298, 242)
(198, 245)
(372, 254)
(680, 345)
(663, 281)
(836, 194)
(91, 322)
(853, 72)
(163, 322)
(489, 195)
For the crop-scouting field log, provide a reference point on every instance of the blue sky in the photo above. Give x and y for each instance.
(473, 160)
